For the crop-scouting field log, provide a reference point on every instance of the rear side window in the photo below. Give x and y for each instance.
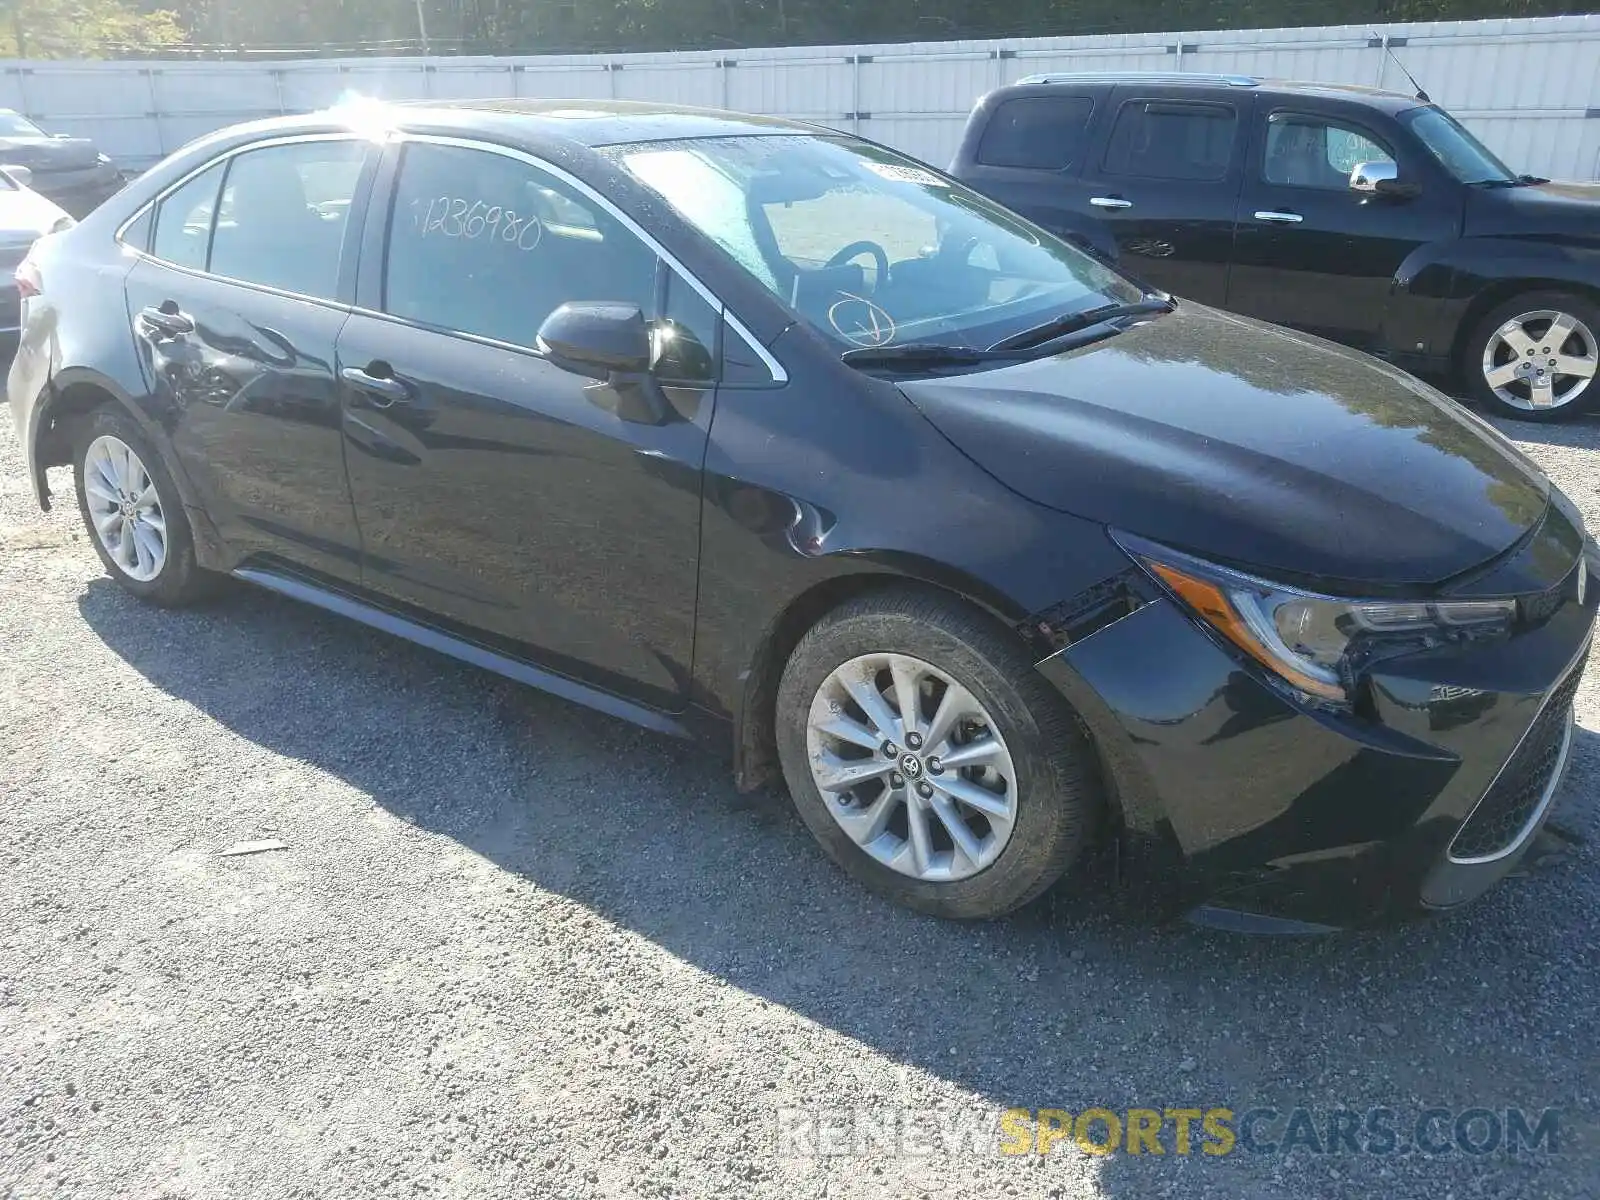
(282, 215)
(1161, 139)
(183, 220)
(1045, 133)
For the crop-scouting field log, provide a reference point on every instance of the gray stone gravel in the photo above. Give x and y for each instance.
(514, 948)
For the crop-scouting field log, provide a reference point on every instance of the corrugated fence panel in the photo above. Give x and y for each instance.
(469, 81)
(687, 83)
(811, 88)
(590, 81)
(1529, 86)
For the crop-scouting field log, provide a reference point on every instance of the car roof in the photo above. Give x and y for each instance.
(1211, 82)
(587, 123)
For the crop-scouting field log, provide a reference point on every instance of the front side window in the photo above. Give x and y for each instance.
(1306, 151)
(870, 248)
(282, 216)
(183, 220)
(1045, 133)
(1160, 139)
(1464, 156)
(490, 245)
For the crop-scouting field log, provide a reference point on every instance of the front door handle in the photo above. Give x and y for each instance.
(168, 319)
(1110, 202)
(382, 390)
(1280, 218)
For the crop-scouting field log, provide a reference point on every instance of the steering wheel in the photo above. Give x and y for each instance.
(880, 260)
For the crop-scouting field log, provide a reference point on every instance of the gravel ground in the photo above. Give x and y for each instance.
(515, 948)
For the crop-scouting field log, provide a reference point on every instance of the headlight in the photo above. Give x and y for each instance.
(1313, 643)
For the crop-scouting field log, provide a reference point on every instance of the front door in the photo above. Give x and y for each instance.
(235, 312)
(1310, 252)
(1164, 180)
(495, 491)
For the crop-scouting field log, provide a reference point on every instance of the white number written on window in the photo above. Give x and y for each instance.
(459, 217)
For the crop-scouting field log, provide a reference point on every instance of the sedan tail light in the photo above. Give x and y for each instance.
(29, 281)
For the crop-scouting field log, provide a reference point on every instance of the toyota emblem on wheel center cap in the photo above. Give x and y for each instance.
(911, 765)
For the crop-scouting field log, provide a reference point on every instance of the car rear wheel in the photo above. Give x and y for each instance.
(131, 509)
(929, 758)
(1534, 357)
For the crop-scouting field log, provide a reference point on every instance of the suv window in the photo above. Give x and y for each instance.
(1046, 133)
(1165, 139)
(183, 220)
(282, 215)
(1306, 151)
(487, 244)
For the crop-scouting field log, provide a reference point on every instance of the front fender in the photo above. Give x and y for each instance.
(1442, 286)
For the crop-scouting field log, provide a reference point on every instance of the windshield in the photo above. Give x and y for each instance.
(1463, 155)
(15, 125)
(871, 248)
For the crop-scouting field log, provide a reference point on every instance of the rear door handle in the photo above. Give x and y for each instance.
(1110, 202)
(1280, 218)
(169, 319)
(383, 390)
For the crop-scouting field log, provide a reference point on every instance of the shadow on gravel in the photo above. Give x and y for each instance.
(1081, 1000)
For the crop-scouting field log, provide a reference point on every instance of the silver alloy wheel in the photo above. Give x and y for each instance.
(912, 767)
(1540, 360)
(125, 508)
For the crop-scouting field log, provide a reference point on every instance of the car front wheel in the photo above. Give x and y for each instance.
(1534, 357)
(930, 759)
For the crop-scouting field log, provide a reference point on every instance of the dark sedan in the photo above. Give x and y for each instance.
(70, 171)
(754, 432)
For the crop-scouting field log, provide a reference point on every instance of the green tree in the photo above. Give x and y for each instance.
(85, 29)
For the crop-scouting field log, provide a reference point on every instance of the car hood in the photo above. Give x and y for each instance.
(1249, 444)
(1566, 210)
(48, 154)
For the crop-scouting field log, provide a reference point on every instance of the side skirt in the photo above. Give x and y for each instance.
(469, 652)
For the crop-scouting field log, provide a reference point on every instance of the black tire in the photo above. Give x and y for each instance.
(1484, 332)
(180, 580)
(1058, 798)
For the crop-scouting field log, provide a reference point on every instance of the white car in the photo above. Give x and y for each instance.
(25, 216)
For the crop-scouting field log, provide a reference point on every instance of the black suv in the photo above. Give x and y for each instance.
(1369, 217)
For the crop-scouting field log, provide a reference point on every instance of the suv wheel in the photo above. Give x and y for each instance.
(930, 759)
(1535, 356)
(131, 509)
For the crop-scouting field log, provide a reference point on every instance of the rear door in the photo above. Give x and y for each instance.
(1310, 252)
(497, 492)
(1028, 155)
(1163, 179)
(235, 309)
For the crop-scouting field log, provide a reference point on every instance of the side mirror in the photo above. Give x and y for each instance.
(609, 343)
(1380, 178)
(21, 176)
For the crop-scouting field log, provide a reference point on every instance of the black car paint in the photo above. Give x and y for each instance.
(1406, 278)
(785, 516)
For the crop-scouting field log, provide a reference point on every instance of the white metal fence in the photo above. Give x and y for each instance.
(1529, 87)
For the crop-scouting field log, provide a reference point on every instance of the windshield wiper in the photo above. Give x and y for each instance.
(1074, 321)
(916, 354)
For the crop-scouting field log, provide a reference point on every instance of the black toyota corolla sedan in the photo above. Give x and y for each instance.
(753, 432)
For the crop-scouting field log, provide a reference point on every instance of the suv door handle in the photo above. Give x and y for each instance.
(1110, 202)
(382, 390)
(169, 319)
(1280, 218)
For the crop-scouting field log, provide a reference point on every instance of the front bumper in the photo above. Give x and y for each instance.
(1235, 800)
